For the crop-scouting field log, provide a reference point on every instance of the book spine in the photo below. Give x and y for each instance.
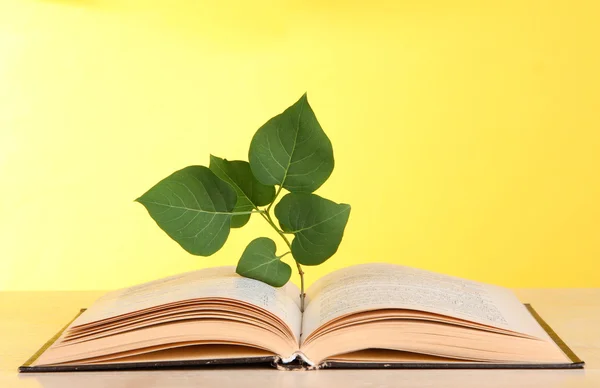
(297, 361)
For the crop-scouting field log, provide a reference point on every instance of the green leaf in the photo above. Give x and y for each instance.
(317, 223)
(194, 207)
(291, 150)
(250, 192)
(260, 262)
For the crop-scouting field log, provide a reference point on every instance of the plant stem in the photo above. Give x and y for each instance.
(268, 218)
(288, 252)
(274, 198)
(302, 294)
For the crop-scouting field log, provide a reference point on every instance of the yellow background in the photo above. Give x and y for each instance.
(466, 134)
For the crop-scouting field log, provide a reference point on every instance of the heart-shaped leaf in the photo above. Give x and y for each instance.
(250, 192)
(291, 150)
(260, 262)
(194, 207)
(317, 223)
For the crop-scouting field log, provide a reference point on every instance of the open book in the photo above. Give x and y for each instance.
(370, 315)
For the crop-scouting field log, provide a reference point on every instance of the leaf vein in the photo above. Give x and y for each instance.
(321, 222)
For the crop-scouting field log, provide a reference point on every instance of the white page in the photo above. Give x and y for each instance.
(383, 286)
(219, 282)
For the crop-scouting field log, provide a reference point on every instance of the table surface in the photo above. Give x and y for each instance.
(28, 319)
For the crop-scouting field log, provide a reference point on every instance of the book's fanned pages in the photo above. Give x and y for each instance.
(576, 362)
(27, 367)
(274, 361)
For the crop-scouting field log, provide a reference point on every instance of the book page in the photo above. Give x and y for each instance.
(384, 286)
(218, 282)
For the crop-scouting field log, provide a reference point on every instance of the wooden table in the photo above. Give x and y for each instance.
(28, 319)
